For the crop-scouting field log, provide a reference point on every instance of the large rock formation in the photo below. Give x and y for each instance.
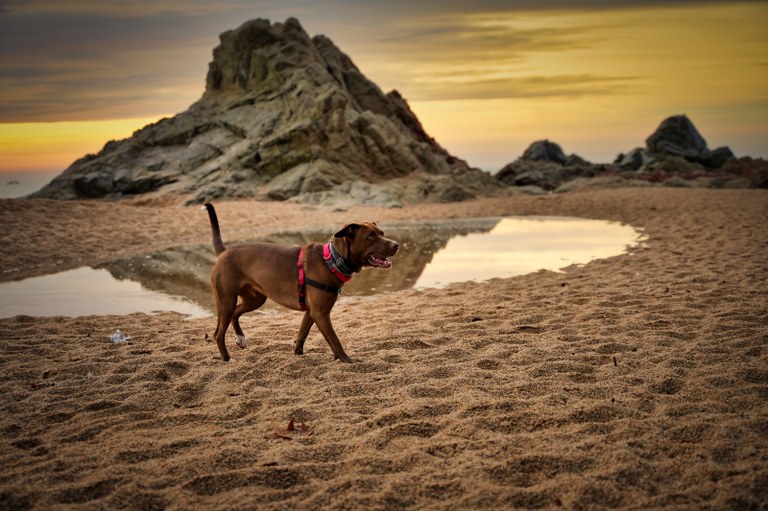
(283, 116)
(677, 137)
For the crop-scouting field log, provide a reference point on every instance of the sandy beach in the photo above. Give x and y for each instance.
(634, 382)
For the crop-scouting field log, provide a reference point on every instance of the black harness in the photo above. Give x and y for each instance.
(337, 265)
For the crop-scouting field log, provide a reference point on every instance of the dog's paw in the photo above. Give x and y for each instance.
(344, 358)
(241, 341)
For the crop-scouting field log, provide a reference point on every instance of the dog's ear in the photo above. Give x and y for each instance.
(348, 230)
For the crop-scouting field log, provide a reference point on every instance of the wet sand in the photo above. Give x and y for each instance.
(635, 382)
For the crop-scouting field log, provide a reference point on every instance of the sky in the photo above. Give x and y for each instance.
(486, 78)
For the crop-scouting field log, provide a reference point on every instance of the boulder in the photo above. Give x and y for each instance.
(284, 116)
(574, 160)
(633, 160)
(544, 165)
(718, 157)
(546, 175)
(677, 136)
(544, 150)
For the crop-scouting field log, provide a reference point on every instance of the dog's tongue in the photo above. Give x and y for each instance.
(379, 263)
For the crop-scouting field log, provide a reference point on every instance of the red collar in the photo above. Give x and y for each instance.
(332, 261)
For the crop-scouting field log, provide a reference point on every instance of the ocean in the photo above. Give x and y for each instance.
(18, 183)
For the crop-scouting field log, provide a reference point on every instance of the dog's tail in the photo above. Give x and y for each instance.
(218, 245)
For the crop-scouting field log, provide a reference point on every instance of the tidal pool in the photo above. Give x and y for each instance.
(520, 245)
(84, 291)
(432, 254)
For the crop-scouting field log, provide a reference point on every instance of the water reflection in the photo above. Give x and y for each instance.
(86, 291)
(432, 254)
(185, 271)
(516, 246)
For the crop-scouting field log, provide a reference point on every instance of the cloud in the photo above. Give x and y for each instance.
(569, 86)
(479, 39)
(490, 57)
(399, 9)
(92, 59)
(134, 8)
(66, 67)
(8, 5)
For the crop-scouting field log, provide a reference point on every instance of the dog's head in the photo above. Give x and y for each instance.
(364, 244)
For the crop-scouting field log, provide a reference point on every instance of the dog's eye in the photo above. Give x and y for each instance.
(372, 237)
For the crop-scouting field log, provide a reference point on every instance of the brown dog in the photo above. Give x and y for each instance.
(306, 278)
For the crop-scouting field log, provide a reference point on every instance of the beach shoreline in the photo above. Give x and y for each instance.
(633, 382)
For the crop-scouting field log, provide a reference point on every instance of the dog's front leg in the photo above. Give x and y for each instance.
(323, 322)
(306, 324)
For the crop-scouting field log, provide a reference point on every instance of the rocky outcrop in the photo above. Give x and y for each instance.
(283, 116)
(544, 150)
(544, 167)
(675, 137)
(675, 155)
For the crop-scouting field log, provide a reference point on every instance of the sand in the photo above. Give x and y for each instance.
(635, 382)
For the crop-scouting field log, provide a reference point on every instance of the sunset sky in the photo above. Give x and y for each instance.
(486, 77)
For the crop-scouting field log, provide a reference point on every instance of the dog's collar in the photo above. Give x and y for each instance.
(336, 264)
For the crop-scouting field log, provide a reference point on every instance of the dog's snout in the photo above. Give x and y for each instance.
(395, 247)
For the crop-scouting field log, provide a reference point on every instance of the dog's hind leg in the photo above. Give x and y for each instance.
(226, 309)
(306, 324)
(248, 302)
